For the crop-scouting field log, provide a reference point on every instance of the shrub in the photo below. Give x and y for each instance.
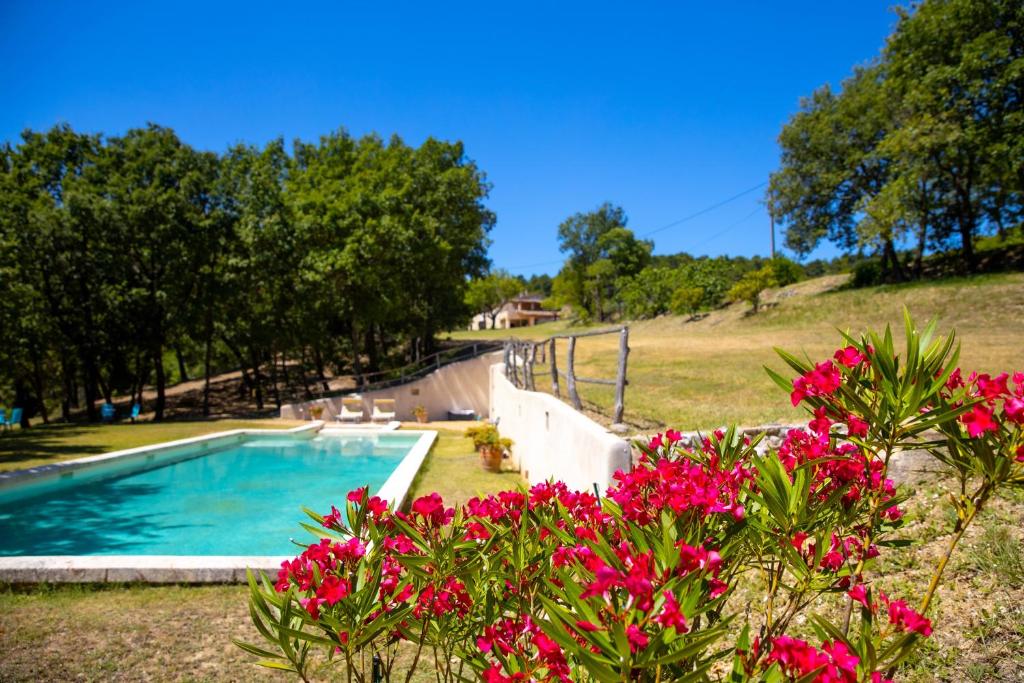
(644, 583)
(867, 274)
(751, 285)
(486, 435)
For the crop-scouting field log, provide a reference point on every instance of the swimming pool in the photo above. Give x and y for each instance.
(237, 495)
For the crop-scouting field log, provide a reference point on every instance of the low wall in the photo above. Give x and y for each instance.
(461, 385)
(552, 440)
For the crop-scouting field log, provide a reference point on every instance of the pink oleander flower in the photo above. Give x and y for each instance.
(356, 495)
(332, 519)
(333, 589)
(905, 618)
(860, 594)
(432, 510)
(849, 357)
(991, 388)
(671, 616)
(638, 640)
(1014, 409)
(823, 380)
(978, 421)
(856, 426)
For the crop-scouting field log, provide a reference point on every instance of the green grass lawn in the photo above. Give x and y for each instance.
(706, 373)
(47, 444)
(453, 470)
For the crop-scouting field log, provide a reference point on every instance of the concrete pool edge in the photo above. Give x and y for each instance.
(17, 476)
(156, 569)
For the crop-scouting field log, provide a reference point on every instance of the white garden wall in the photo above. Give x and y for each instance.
(552, 440)
(458, 385)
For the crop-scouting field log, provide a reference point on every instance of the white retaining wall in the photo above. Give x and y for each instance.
(552, 440)
(461, 385)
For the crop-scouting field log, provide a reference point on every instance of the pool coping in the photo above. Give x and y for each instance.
(187, 568)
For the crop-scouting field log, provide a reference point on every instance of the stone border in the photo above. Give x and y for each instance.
(187, 568)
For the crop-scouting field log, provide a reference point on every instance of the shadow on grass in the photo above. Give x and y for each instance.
(46, 443)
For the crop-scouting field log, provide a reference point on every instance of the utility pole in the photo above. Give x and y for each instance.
(771, 221)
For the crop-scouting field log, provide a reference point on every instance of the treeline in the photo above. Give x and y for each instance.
(118, 252)
(610, 274)
(924, 147)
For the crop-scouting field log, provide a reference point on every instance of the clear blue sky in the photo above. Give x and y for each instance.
(663, 108)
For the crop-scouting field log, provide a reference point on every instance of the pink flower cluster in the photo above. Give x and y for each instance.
(836, 467)
(680, 484)
(521, 637)
(834, 662)
(325, 559)
(901, 616)
(997, 402)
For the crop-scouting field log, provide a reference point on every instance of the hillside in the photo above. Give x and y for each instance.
(705, 373)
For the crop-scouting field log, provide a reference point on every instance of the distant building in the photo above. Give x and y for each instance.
(524, 310)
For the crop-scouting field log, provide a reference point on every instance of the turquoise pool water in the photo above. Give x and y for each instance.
(242, 499)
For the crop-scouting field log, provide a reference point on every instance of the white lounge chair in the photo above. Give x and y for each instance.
(351, 409)
(383, 410)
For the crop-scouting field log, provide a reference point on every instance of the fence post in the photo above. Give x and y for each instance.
(570, 376)
(554, 371)
(620, 380)
(515, 364)
(533, 359)
(508, 370)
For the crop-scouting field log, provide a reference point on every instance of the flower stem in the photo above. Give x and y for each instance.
(961, 527)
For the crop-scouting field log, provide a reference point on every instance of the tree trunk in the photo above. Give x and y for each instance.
(161, 383)
(182, 368)
(257, 382)
(37, 381)
(357, 363)
(89, 368)
(207, 353)
(247, 387)
(922, 241)
(23, 399)
(967, 240)
(318, 359)
(372, 355)
(69, 388)
(305, 378)
(273, 379)
(890, 257)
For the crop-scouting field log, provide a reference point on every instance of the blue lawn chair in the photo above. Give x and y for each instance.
(15, 418)
(107, 412)
(136, 409)
(3, 417)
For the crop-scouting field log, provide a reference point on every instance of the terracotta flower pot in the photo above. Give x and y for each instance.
(490, 457)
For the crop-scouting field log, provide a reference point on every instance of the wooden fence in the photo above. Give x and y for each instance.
(521, 356)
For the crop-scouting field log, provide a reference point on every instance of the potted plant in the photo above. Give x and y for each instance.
(491, 446)
(316, 411)
(421, 414)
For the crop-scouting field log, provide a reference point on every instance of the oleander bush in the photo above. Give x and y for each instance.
(708, 561)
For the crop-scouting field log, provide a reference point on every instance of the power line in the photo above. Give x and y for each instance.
(675, 223)
(727, 229)
(706, 210)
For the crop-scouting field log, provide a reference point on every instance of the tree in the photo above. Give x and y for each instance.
(923, 144)
(955, 68)
(487, 294)
(751, 285)
(687, 300)
(601, 252)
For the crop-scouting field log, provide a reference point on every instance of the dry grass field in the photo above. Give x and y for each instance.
(705, 373)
